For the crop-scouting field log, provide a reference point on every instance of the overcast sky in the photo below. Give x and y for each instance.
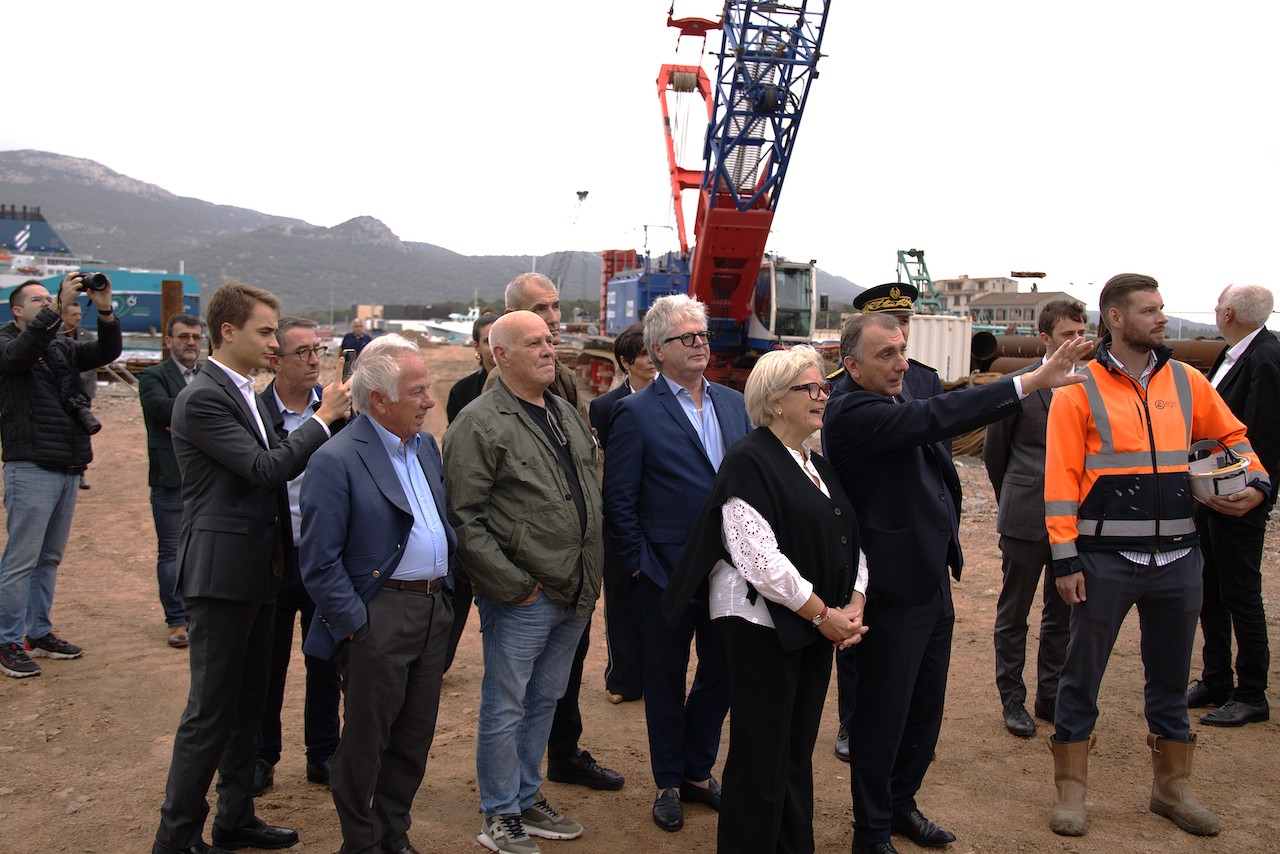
(1081, 138)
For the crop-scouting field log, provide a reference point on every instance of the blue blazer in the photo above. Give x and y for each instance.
(355, 521)
(601, 411)
(892, 463)
(658, 475)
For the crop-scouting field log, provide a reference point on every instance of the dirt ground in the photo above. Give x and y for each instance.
(84, 748)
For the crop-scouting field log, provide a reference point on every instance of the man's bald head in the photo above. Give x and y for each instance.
(525, 353)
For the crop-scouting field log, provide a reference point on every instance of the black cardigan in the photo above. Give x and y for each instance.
(819, 535)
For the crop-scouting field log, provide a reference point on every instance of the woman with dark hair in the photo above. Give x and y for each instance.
(624, 672)
(775, 554)
(469, 387)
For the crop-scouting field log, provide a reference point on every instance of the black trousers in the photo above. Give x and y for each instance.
(324, 684)
(624, 636)
(462, 596)
(1028, 568)
(1168, 601)
(846, 683)
(1232, 550)
(391, 672)
(775, 704)
(230, 665)
(902, 684)
(566, 724)
(684, 728)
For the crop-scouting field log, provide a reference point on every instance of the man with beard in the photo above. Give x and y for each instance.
(1118, 507)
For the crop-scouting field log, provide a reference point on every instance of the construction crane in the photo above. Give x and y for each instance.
(767, 60)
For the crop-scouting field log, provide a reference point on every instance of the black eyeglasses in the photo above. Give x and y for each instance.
(305, 353)
(690, 339)
(814, 389)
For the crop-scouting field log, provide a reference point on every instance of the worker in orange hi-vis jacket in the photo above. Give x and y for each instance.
(1118, 507)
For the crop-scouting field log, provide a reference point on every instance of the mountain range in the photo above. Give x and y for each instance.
(130, 223)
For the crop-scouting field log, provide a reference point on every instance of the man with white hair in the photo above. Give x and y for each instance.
(665, 447)
(524, 500)
(376, 554)
(1247, 377)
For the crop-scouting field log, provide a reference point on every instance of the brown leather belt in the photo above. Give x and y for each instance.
(435, 585)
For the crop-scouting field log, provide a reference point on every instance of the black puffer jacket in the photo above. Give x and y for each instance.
(34, 425)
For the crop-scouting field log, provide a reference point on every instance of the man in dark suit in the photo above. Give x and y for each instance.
(896, 300)
(665, 445)
(624, 672)
(158, 387)
(234, 531)
(1014, 452)
(1247, 376)
(289, 400)
(376, 555)
(887, 450)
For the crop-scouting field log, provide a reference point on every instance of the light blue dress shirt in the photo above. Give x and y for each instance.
(426, 553)
(705, 422)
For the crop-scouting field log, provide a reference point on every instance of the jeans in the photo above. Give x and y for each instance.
(39, 504)
(528, 651)
(166, 509)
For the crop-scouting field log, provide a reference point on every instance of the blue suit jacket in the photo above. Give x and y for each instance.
(900, 478)
(355, 521)
(658, 475)
(601, 412)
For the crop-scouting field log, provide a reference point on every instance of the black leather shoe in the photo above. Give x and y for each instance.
(860, 847)
(199, 848)
(1017, 721)
(1045, 709)
(1236, 713)
(256, 835)
(1202, 695)
(709, 796)
(264, 777)
(583, 770)
(318, 772)
(920, 830)
(667, 812)
(842, 744)
(407, 849)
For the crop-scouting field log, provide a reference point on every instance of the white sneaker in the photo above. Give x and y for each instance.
(505, 834)
(543, 821)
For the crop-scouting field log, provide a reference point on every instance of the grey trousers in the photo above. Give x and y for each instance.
(391, 673)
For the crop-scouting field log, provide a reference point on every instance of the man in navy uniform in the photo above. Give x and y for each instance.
(895, 299)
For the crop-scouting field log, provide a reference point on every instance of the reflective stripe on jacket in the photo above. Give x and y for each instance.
(1116, 463)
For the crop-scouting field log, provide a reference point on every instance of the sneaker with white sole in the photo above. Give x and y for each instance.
(15, 662)
(52, 646)
(506, 835)
(543, 821)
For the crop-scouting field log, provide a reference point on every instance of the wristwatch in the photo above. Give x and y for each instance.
(820, 618)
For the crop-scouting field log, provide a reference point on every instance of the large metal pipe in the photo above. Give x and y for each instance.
(1200, 353)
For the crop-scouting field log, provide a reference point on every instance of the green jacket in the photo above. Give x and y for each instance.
(508, 502)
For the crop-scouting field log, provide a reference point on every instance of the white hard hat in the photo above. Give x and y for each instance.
(1216, 470)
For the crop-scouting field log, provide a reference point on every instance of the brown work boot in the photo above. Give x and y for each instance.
(1171, 790)
(1070, 783)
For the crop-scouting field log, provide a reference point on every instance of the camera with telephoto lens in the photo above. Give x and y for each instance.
(77, 406)
(94, 282)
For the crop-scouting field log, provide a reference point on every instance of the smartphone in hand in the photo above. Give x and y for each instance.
(348, 363)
